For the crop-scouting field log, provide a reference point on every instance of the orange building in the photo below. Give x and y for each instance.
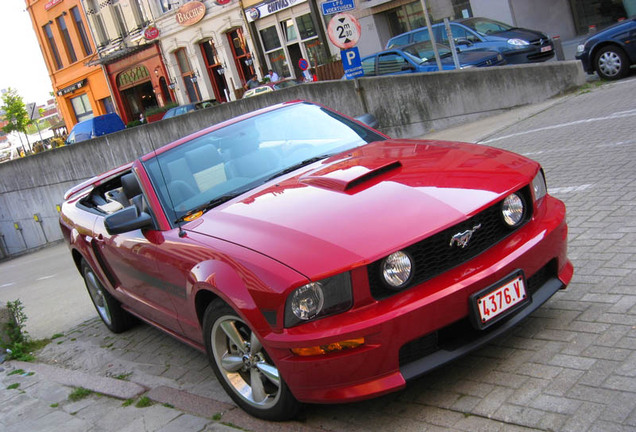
(67, 46)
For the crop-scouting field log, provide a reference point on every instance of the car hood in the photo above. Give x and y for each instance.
(518, 33)
(356, 207)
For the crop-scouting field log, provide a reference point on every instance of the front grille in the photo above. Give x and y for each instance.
(462, 332)
(433, 256)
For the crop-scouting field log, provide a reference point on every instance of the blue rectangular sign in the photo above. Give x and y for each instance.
(337, 6)
(351, 63)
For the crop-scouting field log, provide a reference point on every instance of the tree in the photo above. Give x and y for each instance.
(15, 112)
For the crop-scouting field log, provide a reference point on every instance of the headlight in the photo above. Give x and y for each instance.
(580, 48)
(318, 299)
(539, 188)
(513, 210)
(518, 42)
(397, 269)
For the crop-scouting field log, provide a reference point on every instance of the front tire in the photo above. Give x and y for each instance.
(611, 63)
(243, 367)
(109, 309)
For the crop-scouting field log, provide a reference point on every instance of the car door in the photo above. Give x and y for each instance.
(133, 262)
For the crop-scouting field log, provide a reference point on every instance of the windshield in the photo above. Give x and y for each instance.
(231, 160)
(423, 51)
(486, 26)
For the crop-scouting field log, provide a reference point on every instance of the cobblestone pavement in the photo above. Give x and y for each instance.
(570, 367)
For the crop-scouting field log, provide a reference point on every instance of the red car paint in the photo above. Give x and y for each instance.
(336, 215)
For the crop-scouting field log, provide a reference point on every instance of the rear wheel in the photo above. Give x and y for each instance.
(611, 63)
(243, 367)
(109, 309)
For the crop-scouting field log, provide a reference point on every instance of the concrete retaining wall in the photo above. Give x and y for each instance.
(406, 106)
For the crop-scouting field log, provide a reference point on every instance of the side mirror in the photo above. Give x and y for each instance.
(463, 41)
(127, 219)
(369, 120)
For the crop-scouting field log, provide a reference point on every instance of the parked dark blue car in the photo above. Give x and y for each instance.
(517, 45)
(420, 57)
(611, 52)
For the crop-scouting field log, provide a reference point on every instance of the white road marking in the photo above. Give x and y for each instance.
(616, 115)
(568, 189)
(46, 277)
(7, 285)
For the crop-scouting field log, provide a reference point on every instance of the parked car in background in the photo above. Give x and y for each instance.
(94, 127)
(184, 109)
(314, 259)
(611, 52)
(517, 45)
(270, 87)
(420, 57)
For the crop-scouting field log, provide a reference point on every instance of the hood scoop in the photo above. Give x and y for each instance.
(349, 174)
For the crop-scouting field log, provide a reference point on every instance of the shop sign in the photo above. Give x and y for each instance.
(270, 7)
(70, 89)
(49, 4)
(132, 76)
(151, 32)
(190, 13)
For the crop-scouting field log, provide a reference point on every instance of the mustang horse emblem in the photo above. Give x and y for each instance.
(461, 239)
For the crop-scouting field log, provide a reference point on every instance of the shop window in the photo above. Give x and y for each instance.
(306, 27)
(66, 39)
(269, 36)
(289, 30)
(55, 54)
(82, 107)
(107, 105)
(188, 76)
(278, 62)
(81, 31)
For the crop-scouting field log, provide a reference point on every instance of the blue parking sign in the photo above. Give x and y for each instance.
(351, 63)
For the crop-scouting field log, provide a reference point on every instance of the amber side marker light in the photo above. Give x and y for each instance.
(193, 216)
(325, 349)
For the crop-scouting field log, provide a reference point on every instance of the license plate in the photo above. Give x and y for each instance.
(546, 48)
(499, 300)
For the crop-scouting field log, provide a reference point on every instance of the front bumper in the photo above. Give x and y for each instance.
(531, 54)
(420, 329)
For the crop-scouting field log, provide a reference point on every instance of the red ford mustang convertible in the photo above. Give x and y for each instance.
(313, 258)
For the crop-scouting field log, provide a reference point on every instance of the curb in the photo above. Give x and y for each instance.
(107, 386)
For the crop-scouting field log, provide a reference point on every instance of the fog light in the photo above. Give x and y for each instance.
(512, 210)
(332, 347)
(397, 269)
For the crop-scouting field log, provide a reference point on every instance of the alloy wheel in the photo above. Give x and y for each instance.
(244, 364)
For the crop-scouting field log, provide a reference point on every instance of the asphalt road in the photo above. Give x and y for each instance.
(50, 288)
(570, 367)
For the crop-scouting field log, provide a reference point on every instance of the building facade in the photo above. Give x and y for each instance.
(288, 31)
(129, 52)
(207, 47)
(81, 89)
